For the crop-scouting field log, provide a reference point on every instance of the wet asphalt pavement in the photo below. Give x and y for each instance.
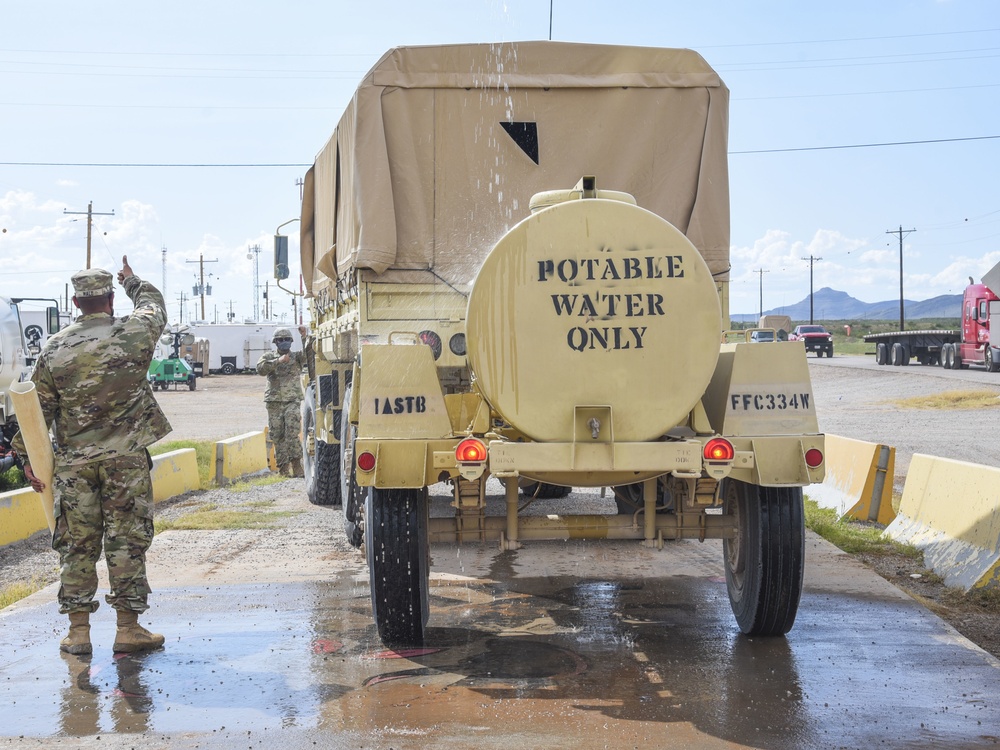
(557, 645)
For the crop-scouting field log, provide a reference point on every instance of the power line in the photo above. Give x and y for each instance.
(866, 145)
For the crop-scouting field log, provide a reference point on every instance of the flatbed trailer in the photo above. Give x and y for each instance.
(899, 347)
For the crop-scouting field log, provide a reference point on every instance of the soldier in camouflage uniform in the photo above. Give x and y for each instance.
(92, 387)
(283, 399)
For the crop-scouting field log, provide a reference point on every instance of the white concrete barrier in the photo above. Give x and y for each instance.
(951, 511)
(858, 480)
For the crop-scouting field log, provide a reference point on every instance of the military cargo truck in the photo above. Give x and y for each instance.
(516, 258)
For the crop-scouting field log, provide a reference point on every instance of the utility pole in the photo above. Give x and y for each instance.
(183, 300)
(201, 279)
(760, 272)
(90, 221)
(902, 233)
(163, 288)
(231, 313)
(254, 255)
(811, 260)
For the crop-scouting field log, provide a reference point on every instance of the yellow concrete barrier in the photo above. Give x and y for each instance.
(858, 480)
(21, 513)
(951, 511)
(174, 473)
(239, 456)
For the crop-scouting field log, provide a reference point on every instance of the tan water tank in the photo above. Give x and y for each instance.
(593, 310)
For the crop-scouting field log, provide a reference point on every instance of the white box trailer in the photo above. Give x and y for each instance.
(235, 347)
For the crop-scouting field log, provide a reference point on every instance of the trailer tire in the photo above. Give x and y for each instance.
(900, 355)
(192, 383)
(352, 497)
(396, 544)
(322, 468)
(228, 369)
(764, 561)
(881, 354)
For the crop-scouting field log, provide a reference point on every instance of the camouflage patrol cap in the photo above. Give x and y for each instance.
(281, 333)
(92, 282)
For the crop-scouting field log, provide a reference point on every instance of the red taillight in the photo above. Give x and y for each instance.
(814, 457)
(470, 450)
(719, 449)
(366, 461)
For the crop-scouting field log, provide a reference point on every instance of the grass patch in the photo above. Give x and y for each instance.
(245, 485)
(204, 452)
(951, 400)
(853, 537)
(15, 592)
(210, 518)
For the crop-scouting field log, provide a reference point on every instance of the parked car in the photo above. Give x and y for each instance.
(816, 339)
(759, 337)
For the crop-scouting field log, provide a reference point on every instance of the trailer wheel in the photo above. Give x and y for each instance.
(352, 498)
(228, 368)
(881, 354)
(192, 384)
(991, 364)
(398, 563)
(321, 469)
(765, 559)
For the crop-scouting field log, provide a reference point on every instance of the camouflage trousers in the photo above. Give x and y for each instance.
(105, 503)
(284, 423)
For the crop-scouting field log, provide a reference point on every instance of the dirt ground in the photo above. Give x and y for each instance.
(851, 402)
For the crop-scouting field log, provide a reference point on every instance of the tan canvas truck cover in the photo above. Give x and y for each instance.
(441, 149)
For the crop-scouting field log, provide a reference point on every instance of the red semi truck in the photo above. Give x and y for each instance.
(972, 345)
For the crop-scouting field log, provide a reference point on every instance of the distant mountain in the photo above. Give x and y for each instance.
(829, 304)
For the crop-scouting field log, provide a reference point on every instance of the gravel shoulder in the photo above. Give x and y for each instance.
(852, 400)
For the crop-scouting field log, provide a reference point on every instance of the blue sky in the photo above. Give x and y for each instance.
(255, 83)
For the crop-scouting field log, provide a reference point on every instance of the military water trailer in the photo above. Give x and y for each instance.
(516, 258)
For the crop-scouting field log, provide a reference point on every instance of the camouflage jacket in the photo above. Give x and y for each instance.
(284, 379)
(91, 381)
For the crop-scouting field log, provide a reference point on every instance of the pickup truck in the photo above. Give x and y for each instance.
(816, 339)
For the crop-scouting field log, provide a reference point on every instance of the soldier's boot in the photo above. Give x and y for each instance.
(77, 641)
(297, 468)
(132, 637)
(284, 470)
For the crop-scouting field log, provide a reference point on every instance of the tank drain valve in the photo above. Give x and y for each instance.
(595, 427)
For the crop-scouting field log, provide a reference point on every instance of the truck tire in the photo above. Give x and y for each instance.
(321, 469)
(628, 498)
(992, 365)
(352, 498)
(398, 563)
(543, 491)
(881, 354)
(764, 561)
(947, 356)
